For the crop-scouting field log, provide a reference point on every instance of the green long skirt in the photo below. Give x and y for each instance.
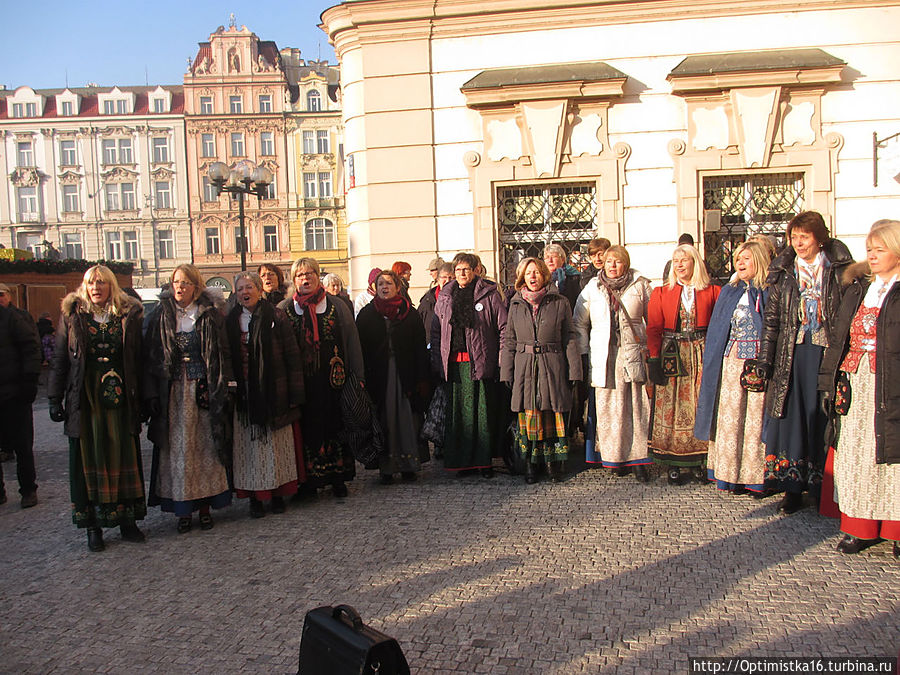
(472, 434)
(106, 478)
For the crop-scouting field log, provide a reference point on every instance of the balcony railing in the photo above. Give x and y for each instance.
(29, 217)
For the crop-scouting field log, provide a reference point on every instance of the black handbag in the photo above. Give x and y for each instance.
(750, 379)
(335, 641)
(670, 358)
(842, 393)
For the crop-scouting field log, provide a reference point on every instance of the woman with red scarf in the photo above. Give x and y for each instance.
(392, 337)
(330, 348)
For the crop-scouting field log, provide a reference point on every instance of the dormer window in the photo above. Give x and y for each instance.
(313, 101)
(115, 107)
(24, 110)
(159, 105)
(67, 109)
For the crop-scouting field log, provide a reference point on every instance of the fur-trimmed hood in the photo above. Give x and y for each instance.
(855, 272)
(72, 303)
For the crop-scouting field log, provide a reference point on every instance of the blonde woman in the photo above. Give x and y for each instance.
(677, 318)
(729, 416)
(94, 390)
(866, 353)
(187, 373)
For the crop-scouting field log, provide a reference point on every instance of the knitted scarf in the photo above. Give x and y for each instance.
(395, 308)
(311, 337)
(534, 298)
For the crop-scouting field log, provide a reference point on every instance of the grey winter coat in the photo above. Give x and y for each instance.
(781, 320)
(67, 371)
(540, 356)
(161, 366)
(482, 341)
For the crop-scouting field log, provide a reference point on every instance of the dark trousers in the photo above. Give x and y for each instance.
(17, 437)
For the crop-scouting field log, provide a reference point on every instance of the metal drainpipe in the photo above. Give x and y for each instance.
(433, 139)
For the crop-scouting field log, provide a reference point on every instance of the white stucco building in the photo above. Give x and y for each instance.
(499, 127)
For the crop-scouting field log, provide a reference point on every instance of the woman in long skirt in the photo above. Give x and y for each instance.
(729, 416)
(610, 321)
(866, 354)
(94, 388)
(540, 363)
(805, 293)
(329, 346)
(187, 370)
(678, 314)
(392, 338)
(267, 367)
(465, 350)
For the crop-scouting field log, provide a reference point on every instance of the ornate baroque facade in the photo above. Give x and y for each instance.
(96, 173)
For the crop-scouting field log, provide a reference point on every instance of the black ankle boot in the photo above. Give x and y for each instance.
(674, 476)
(130, 532)
(791, 502)
(256, 508)
(95, 539)
(642, 473)
(852, 545)
(530, 476)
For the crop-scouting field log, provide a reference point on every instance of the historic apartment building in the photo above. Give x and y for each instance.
(96, 173)
(524, 123)
(318, 226)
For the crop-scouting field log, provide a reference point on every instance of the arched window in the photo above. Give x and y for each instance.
(313, 100)
(319, 234)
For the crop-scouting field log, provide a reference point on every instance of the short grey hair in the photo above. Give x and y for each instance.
(555, 248)
(331, 278)
(252, 276)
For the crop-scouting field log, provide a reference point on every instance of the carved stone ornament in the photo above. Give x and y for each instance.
(119, 175)
(116, 132)
(471, 158)
(70, 178)
(162, 173)
(25, 177)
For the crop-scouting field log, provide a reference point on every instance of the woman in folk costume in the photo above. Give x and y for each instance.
(329, 344)
(610, 321)
(187, 373)
(860, 378)
(392, 338)
(94, 388)
(465, 350)
(730, 416)
(266, 363)
(677, 317)
(540, 363)
(805, 293)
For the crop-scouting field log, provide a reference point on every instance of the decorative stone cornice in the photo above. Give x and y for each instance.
(70, 178)
(25, 177)
(116, 132)
(162, 173)
(119, 174)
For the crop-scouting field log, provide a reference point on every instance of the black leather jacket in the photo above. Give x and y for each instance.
(887, 360)
(782, 318)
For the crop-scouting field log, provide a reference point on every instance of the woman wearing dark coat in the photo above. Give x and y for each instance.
(94, 388)
(393, 345)
(865, 351)
(187, 371)
(273, 282)
(429, 299)
(329, 346)
(268, 369)
(465, 351)
(805, 293)
(540, 363)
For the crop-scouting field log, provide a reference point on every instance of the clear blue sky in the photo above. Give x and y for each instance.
(112, 42)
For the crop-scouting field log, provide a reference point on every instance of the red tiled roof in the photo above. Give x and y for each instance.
(89, 106)
(205, 50)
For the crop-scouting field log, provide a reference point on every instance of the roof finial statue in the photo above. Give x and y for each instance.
(231, 20)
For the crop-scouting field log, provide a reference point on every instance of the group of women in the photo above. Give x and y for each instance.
(734, 384)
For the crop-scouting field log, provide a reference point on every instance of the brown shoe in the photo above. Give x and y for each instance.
(29, 499)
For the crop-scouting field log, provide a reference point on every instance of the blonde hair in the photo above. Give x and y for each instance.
(118, 303)
(193, 275)
(888, 231)
(699, 278)
(761, 256)
(311, 263)
(520, 272)
(621, 253)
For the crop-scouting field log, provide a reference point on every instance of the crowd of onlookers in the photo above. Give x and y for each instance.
(779, 381)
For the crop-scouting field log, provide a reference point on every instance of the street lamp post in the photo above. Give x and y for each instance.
(243, 179)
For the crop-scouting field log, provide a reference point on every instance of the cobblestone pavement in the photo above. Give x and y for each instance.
(597, 574)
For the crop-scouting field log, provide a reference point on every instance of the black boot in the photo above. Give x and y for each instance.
(642, 473)
(130, 532)
(530, 476)
(674, 476)
(278, 504)
(851, 545)
(95, 539)
(256, 508)
(791, 502)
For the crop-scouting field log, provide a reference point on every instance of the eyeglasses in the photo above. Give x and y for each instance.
(305, 275)
(463, 270)
(182, 284)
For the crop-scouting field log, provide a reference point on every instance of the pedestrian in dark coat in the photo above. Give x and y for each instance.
(272, 277)
(465, 350)
(541, 363)
(187, 374)
(94, 389)
(805, 293)
(860, 377)
(268, 369)
(564, 277)
(392, 338)
(429, 299)
(20, 365)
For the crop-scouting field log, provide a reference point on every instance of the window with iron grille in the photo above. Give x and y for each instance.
(737, 207)
(531, 216)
